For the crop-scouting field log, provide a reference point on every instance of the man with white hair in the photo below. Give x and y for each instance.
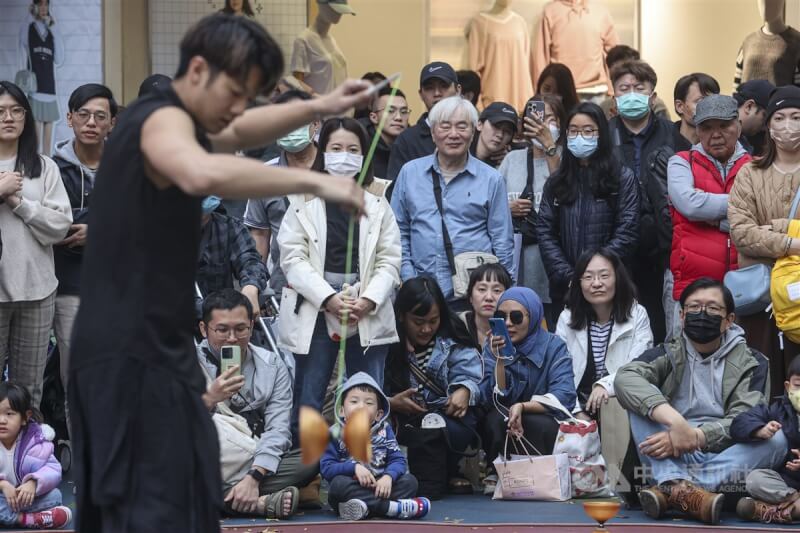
(450, 203)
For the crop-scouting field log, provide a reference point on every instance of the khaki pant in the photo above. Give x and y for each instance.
(615, 435)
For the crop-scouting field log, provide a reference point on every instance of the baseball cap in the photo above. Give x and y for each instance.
(756, 90)
(498, 112)
(716, 106)
(340, 6)
(439, 70)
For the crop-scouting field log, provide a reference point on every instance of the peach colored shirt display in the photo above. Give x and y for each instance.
(499, 51)
(577, 33)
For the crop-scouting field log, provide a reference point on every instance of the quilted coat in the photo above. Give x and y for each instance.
(758, 212)
(565, 231)
(34, 459)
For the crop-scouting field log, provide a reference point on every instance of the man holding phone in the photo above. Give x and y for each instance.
(261, 392)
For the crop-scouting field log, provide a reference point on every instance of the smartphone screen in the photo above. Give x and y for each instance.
(230, 356)
(498, 326)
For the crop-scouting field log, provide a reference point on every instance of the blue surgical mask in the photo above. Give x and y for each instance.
(582, 147)
(210, 203)
(633, 105)
(296, 141)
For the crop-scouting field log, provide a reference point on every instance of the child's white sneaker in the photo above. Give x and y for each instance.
(353, 510)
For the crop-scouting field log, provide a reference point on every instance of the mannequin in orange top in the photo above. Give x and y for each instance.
(499, 51)
(577, 33)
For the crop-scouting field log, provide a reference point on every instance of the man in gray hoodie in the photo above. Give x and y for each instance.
(92, 112)
(682, 397)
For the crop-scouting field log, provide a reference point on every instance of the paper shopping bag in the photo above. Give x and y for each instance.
(532, 477)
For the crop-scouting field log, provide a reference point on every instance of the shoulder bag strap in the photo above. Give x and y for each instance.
(795, 204)
(422, 377)
(528, 190)
(448, 244)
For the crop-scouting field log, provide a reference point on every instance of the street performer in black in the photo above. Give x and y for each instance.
(146, 451)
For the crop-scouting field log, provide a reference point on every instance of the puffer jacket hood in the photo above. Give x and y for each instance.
(362, 379)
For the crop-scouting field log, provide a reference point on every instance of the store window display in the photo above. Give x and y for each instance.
(579, 34)
(772, 52)
(499, 51)
(317, 61)
(41, 52)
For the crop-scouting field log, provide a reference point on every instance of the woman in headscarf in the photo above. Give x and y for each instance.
(541, 365)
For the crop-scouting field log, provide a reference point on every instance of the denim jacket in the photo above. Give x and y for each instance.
(475, 210)
(547, 369)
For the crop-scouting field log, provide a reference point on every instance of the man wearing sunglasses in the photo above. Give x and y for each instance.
(92, 112)
(682, 397)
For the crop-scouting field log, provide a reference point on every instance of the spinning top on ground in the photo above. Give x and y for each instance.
(315, 435)
(602, 512)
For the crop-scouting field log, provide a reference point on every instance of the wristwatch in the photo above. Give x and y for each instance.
(550, 152)
(256, 474)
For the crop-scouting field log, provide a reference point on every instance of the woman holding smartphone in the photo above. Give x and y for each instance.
(540, 365)
(435, 368)
(526, 171)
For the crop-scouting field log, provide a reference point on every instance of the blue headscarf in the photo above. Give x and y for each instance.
(533, 304)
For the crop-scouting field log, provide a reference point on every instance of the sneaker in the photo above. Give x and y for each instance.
(489, 484)
(758, 511)
(413, 508)
(654, 502)
(353, 510)
(56, 517)
(698, 503)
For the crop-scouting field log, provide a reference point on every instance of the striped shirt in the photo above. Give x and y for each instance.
(424, 355)
(600, 334)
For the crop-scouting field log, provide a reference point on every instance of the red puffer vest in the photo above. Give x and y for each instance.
(698, 248)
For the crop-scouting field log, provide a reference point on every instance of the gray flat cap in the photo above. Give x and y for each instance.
(716, 106)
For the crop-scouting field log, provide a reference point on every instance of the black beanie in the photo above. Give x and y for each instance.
(783, 97)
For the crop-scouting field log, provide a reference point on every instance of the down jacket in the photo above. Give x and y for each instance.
(34, 459)
(758, 213)
(566, 231)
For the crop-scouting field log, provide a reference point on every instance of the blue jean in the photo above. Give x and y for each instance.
(725, 471)
(40, 503)
(313, 371)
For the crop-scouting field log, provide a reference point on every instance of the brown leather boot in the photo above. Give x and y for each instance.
(698, 503)
(654, 502)
(758, 511)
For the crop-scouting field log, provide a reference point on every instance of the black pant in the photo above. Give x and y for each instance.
(461, 433)
(539, 428)
(146, 451)
(649, 280)
(343, 488)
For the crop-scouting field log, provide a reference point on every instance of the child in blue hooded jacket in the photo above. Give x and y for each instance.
(383, 487)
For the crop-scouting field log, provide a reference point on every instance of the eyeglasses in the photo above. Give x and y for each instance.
(586, 133)
(16, 112)
(83, 115)
(516, 317)
(404, 111)
(239, 332)
(711, 309)
(447, 127)
(588, 278)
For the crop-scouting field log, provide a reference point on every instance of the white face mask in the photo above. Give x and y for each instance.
(555, 132)
(343, 163)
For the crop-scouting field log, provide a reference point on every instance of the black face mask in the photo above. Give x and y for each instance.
(701, 327)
